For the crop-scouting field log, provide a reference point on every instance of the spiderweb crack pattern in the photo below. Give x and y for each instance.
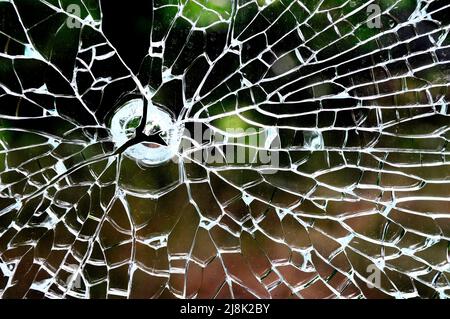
(357, 118)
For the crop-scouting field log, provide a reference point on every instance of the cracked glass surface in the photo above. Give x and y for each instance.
(105, 191)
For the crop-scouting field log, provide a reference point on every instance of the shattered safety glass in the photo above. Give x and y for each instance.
(224, 149)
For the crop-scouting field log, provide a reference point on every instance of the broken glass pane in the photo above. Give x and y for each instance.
(224, 149)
